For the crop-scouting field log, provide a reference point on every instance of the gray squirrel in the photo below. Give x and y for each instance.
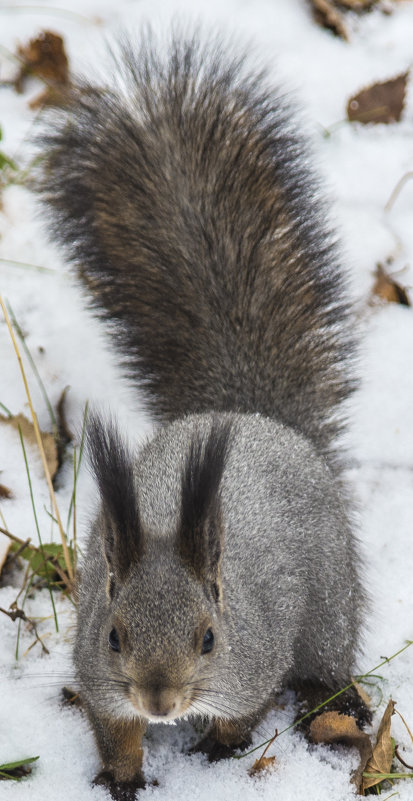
(223, 565)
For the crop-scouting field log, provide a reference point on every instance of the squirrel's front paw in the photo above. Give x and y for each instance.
(120, 791)
(215, 751)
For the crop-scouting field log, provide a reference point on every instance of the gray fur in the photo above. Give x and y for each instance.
(186, 202)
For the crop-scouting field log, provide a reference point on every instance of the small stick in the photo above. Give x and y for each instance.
(396, 751)
(16, 554)
(270, 742)
(19, 614)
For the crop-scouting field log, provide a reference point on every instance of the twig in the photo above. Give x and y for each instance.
(396, 751)
(12, 557)
(18, 614)
(258, 765)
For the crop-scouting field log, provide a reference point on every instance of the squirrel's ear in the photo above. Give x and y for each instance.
(200, 527)
(112, 465)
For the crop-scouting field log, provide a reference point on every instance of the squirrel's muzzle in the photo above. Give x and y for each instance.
(158, 701)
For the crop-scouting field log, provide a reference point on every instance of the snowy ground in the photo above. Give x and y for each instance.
(362, 164)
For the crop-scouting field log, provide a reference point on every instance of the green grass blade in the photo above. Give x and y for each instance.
(37, 526)
(19, 763)
(5, 409)
(7, 771)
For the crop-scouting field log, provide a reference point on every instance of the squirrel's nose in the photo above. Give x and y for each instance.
(159, 701)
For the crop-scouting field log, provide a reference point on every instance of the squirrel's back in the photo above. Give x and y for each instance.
(185, 198)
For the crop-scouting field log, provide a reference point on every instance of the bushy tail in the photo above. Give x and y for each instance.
(184, 197)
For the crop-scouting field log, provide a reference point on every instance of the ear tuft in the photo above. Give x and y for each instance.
(200, 529)
(112, 465)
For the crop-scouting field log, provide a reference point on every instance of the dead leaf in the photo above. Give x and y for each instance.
(51, 96)
(261, 764)
(382, 757)
(332, 727)
(329, 17)
(264, 762)
(44, 57)
(27, 429)
(381, 102)
(5, 492)
(386, 288)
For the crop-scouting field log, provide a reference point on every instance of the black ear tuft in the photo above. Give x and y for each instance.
(112, 465)
(200, 529)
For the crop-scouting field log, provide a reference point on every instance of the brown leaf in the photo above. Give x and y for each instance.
(28, 433)
(5, 492)
(382, 757)
(44, 57)
(386, 288)
(381, 102)
(332, 727)
(328, 17)
(51, 96)
(261, 764)
(264, 762)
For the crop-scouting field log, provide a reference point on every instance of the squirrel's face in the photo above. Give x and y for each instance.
(164, 640)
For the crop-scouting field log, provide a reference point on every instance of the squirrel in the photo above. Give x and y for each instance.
(223, 565)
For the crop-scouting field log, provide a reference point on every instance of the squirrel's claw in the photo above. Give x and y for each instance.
(215, 751)
(121, 791)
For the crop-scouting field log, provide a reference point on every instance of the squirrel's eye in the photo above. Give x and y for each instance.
(208, 642)
(114, 640)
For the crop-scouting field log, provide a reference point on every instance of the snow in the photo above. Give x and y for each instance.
(361, 166)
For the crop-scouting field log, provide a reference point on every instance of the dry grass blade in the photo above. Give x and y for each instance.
(68, 563)
(397, 754)
(397, 189)
(402, 718)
